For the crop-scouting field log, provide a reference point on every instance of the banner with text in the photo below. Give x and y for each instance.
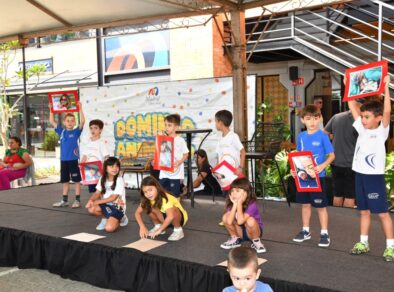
(135, 113)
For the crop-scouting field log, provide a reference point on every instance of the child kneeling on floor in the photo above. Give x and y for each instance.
(242, 265)
(109, 200)
(162, 208)
(242, 218)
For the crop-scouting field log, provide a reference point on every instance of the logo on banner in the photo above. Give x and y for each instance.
(153, 96)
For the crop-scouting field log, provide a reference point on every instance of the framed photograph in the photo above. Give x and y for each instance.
(365, 80)
(64, 101)
(164, 153)
(91, 172)
(303, 164)
(224, 173)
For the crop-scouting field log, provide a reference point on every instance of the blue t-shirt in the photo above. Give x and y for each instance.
(68, 143)
(318, 143)
(260, 287)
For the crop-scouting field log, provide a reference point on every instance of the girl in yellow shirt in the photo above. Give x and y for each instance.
(162, 208)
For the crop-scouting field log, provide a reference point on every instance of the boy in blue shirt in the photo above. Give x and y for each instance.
(372, 122)
(69, 155)
(316, 141)
(242, 265)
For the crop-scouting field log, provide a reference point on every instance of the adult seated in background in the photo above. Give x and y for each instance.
(15, 163)
(211, 186)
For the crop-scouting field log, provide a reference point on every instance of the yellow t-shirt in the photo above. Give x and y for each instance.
(172, 202)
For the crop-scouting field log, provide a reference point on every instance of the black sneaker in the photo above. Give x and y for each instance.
(231, 243)
(302, 236)
(324, 240)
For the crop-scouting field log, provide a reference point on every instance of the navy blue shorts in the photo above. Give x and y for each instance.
(69, 168)
(245, 234)
(171, 185)
(92, 188)
(111, 211)
(371, 193)
(316, 199)
(182, 219)
(343, 182)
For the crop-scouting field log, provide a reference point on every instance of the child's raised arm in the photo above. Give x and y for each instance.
(81, 117)
(141, 224)
(354, 106)
(387, 102)
(52, 117)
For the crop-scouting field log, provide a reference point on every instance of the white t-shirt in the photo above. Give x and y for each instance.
(229, 148)
(119, 190)
(180, 148)
(370, 152)
(94, 150)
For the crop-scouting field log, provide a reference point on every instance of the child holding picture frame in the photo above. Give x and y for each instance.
(319, 144)
(372, 122)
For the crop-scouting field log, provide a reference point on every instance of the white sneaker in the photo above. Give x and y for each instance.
(176, 235)
(258, 246)
(60, 204)
(124, 221)
(102, 224)
(155, 228)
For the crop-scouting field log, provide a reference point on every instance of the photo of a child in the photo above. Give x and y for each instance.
(92, 172)
(165, 153)
(365, 80)
(304, 172)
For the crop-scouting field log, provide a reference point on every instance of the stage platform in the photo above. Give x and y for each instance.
(31, 237)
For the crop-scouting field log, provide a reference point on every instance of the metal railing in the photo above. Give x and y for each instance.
(327, 31)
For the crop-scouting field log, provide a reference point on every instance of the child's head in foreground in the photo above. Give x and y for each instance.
(243, 268)
(223, 119)
(310, 116)
(371, 113)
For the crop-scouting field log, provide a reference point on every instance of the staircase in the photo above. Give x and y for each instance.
(339, 36)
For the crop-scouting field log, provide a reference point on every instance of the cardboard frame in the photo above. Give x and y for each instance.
(87, 178)
(224, 173)
(56, 97)
(164, 157)
(303, 180)
(365, 80)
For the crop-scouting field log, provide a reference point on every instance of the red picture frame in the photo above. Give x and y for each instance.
(306, 179)
(91, 172)
(224, 173)
(164, 153)
(365, 80)
(64, 101)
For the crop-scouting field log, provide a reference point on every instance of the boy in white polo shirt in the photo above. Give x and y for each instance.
(372, 121)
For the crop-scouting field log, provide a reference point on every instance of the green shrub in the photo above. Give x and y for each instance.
(51, 140)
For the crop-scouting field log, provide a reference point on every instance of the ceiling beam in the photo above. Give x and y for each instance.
(49, 12)
(224, 3)
(108, 24)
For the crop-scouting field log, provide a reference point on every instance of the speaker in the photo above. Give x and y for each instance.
(293, 73)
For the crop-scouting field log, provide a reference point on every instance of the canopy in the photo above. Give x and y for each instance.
(39, 18)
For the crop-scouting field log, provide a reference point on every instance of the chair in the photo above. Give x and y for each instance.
(29, 176)
(264, 145)
(139, 164)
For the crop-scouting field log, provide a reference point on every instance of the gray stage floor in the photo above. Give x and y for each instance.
(30, 209)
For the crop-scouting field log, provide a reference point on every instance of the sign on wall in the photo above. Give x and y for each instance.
(137, 52)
